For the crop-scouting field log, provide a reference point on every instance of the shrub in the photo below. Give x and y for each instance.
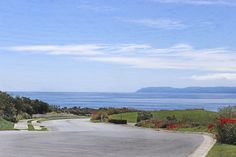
(117, 121)
(145, 115)
(226, 133)
(226, 125)
(228, 112)
(12, 108)
(99, 116)
(163, 124)
(23, 116)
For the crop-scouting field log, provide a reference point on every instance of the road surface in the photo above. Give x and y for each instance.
(81, 138)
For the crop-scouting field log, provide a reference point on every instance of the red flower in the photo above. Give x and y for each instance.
(171, 126)
(223, 121)
(210, 127)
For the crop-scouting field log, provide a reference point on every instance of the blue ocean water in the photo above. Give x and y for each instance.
(145, 101)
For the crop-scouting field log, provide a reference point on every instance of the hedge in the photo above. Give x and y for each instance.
(117, 121)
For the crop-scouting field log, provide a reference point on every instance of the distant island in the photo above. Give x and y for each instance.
(187, 90)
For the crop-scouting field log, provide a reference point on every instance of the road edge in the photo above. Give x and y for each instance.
(204, 147)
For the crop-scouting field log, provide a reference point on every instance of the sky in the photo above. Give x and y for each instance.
(116, 46)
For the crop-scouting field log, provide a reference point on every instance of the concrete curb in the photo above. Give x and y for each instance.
(36, 125)
(21, 125)
(204, 148)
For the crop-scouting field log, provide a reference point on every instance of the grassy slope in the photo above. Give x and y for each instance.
(222, 150)
(201, 116)
(6, 125)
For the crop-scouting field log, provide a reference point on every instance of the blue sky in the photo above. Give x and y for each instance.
(116, 46)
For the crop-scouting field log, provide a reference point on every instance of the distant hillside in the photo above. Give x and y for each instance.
(188, 90)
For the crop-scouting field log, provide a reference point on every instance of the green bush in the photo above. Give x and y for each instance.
(226, 133)
(23, 116)
(144, 115)
(13, 108)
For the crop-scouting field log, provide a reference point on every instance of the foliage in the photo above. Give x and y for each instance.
(228, 112)
(30, 127)
(73, 110)
(226, 133)
(226, 125)
(144, 115)
(13, 109)
(99, 115)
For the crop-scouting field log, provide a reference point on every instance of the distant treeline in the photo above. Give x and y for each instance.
(73, 110)
(90, 111)
(15, 108)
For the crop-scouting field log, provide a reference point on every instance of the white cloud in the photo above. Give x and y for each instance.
(179, 56)
(200, 2)
(96, 8)
(217, 76)
(85, 50)
(160, 23)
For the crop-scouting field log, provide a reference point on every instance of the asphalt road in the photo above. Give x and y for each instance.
(81, 138)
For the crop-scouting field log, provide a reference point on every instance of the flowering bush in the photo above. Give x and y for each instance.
(226, 125)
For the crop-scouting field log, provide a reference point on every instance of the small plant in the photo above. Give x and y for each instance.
(30, 127)
(145, 115)
(100, 115)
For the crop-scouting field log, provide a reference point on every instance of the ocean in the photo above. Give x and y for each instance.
(143, 101)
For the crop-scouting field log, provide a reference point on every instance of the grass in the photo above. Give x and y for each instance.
(30, 127)
(6, 125)
(222, 150)
(193, 129)
(131, 117)
(196, 115)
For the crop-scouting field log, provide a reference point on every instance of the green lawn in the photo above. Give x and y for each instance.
(200, 116)
(6, 125)
(222, 150)
(131, 117)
